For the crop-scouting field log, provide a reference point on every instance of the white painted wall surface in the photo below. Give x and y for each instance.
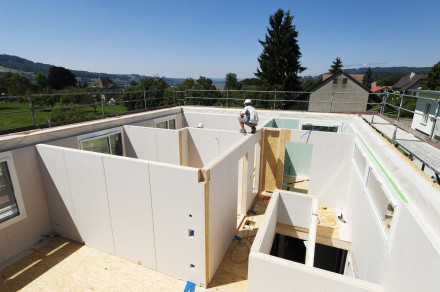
(414, 262)
(129, 198)
(294, 209)
(26, 232)
(330, 165)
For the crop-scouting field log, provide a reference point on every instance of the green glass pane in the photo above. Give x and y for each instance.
(116, 144)
(8, 204)
(162, 125)
(99, 145)
(172, 124)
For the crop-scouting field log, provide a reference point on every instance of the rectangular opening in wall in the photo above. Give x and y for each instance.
(8, 203)
(107, 143)
(382, 204)
(289, 248)
(330, 258)
(321, 128)
(166, 122)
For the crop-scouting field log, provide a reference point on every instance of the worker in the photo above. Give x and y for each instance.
(248, 116)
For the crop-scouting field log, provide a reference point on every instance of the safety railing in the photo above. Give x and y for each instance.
(37, 109)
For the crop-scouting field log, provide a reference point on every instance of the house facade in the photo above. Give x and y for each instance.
(340, 92)
(426, 106)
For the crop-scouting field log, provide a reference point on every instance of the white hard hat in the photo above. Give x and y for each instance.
(247, 101)
(200, 125)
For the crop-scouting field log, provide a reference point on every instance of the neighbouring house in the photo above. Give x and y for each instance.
(107, 87)
(410, 81)
(349, 95)
(380, 89)
(425, 110)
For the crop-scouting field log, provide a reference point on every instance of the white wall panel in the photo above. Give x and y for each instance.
(295, 209)
(57, 188)
(128, 188)
(168, 146)
(28, 231)
(414, 262)
(366, 232)
(5, 249)
(89, 193)
(330, 166)
(143, 141)
(178, 206)
(293, 276)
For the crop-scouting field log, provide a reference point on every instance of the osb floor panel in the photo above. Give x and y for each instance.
(64, 265)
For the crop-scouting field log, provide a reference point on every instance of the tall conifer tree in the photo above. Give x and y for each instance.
(336, 66)
(279, 62)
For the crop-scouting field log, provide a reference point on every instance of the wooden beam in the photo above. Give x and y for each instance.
(206, 175)
(303, 233)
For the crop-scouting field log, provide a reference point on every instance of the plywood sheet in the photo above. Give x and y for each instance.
(178, 206)
(89, 193)
(57, 188)
(128, 188)
(273, 153)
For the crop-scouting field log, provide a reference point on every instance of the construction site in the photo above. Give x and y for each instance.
(152, 202)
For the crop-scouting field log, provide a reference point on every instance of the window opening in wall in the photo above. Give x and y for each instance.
(426, 113)
(382, 204)
(344, 81)
(360, 160)
(335, 81)
(289, 248)
(330, 258)
(109, 144)
(308, 127)
(166, 123)
(8, 203)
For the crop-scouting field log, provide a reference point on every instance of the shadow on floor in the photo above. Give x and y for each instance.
(19, 274)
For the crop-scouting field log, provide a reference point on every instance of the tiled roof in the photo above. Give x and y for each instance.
(408, 81)
(378, 88)
(104, 82)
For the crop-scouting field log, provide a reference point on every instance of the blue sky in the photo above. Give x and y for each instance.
(212, 38)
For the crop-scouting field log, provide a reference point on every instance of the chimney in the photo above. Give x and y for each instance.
(412, 75)
(373, 84)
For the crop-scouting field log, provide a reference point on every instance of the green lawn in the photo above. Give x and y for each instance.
(16, 120)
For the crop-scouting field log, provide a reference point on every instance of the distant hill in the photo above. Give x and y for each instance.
(380, 72)
(29, 69)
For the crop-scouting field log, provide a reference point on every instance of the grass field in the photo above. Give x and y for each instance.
(17, 120)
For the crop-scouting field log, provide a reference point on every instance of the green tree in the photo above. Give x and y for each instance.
(41, 81)
(279, 62)
(387, 81)
(60, 78)
(433, 81)
(155, 93)
(336, 66)
(367, 79)
(310, 82)
(232, 82)
(14, 84)
(67, 114)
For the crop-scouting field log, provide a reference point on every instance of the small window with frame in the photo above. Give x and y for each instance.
(344, 81)
(166, 123)
(335, 81)
(107, 142)
(11, 201)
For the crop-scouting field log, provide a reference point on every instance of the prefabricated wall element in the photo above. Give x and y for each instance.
(178, 202)
(129, 199)
(369, 241)
(296, 209)
(414, 262)
(146, 212)
(330, 165)
(183, 146)
(27, 230)
(222, 184)
(64, 132)
(204, 145)
(272, 158)
(161, 145)
(269, 273)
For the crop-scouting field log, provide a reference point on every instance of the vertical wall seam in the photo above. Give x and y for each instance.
(70, 191)
(108, 204)
(152, 216)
